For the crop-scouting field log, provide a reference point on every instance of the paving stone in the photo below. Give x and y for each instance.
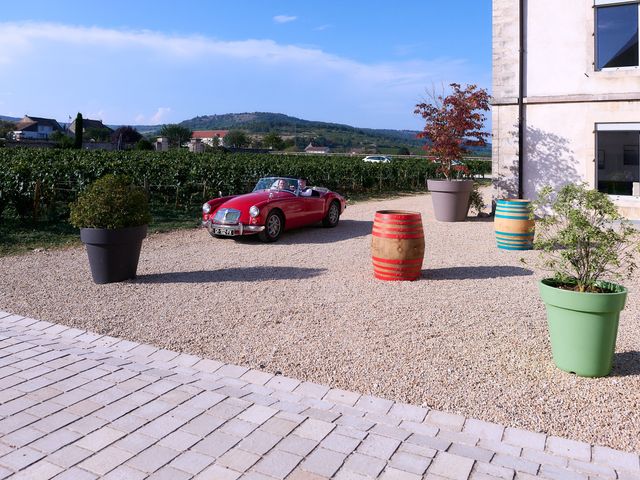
(500, 447)
(42, 470)
(469, 451)
(69, 456)
(430, 442)
(21, 458)
(417, 450)
(152, 459)
(391, 473)
(518, 464)
(373, 404)
(279, 426)
(283, 383)
(481, 429)
(389, 431)
(106, 460)
(259, 442)
(76, 474)
(408, 412)
(314, 429)
(569, 448)
(124, 472)
(446, 420)
(599, 471)
(337, 395)
(323, 462)
(54, 441)
(378, 446)
(203, 425)
(129, 423)
(179, 440)
(616, 459)
(215, 472)
(135, 442)
(23, 437)
(324, 415)
(556, 473)
(277, 463)
(312, 390)
(99, 439)
(451, 466)
(299, 474)
(537, 456)
(420, 428)
(215, 444)
(298, 445)
(356, 423)
(524, 438)
(340, 443)
(169, 473)
(493, 471)
(364, 464)
(409, 462)
(191, 462)
(257, 377)
(257, 414)
(233, 371)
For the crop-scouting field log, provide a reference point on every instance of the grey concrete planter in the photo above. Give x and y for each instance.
(450, 199)
(113, 253)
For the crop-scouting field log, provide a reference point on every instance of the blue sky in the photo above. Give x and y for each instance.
(362, 63)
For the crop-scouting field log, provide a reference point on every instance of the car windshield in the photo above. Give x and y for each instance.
(276, 183)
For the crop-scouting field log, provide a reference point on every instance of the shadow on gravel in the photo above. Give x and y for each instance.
(345, 230)
(626, 364)
(474, 273)
(253, 274)
(311, 234)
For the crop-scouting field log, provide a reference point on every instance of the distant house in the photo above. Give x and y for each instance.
(313, 149)
(89, 125)
(213, 138)
(36, 128)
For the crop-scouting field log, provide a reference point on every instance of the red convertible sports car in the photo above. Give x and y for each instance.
(276, 204)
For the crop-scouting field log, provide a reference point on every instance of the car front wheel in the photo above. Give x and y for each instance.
(273, 227)
(333, 215)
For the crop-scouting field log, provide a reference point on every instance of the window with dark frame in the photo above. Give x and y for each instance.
(617, 35)
(618, 161)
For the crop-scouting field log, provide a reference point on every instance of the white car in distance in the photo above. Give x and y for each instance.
(377, 159)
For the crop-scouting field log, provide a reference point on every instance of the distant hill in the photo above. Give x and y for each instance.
(335, 135)
(9, 119)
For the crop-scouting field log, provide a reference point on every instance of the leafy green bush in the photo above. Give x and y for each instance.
(583, 238)
(111, 202)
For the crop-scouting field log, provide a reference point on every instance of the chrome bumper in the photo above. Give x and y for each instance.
(237, 229)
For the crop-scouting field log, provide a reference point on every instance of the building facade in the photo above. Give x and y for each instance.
(566, 97)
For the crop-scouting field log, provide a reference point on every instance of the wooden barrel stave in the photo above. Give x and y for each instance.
(514, 229)
(397, 245)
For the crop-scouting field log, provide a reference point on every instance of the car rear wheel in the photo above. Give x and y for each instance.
(273, 227)
(333, 215)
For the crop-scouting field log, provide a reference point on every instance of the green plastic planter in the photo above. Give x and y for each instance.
(583, 327)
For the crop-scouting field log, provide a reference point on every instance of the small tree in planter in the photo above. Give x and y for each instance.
(112, 215)
(586, 243)
(453, 123)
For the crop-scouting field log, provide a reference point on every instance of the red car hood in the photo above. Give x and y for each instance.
(246, 201)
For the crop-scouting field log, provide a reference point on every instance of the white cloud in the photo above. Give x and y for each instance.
(321, 28)
(284, 18)
(134, 71)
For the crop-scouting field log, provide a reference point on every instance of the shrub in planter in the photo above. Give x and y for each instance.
(587, 244)
(112, 215)
(452, 124)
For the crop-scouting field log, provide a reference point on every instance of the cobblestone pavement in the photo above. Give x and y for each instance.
(77, 405)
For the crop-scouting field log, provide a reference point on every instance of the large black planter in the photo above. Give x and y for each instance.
(113, 253)
(450, 199)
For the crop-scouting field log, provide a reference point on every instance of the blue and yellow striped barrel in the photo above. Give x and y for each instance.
(514, 229)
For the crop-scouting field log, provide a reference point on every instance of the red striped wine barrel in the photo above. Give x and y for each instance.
(397, 245)
(514, 228)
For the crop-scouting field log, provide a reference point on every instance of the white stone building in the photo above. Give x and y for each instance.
(569, 69)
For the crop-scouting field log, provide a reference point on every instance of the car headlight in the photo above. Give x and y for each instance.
(254, 211)
(206, 208)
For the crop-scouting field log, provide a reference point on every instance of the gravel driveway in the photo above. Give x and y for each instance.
(469, 337)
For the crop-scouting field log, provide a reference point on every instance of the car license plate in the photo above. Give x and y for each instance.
(224, 231)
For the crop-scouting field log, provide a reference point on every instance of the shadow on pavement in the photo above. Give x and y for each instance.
(252, 274)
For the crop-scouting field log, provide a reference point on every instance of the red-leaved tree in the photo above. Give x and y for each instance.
(454, 123)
